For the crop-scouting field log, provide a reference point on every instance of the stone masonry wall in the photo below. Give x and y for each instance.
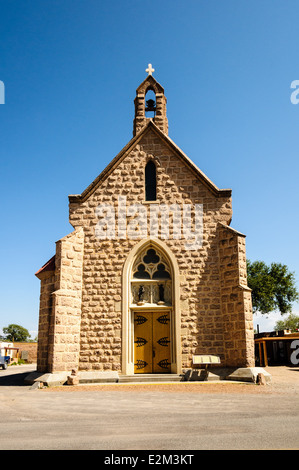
(45, 312)
(64, 333)
(204, 326)
(235, 299)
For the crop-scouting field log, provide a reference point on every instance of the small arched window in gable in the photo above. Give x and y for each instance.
(150, 182)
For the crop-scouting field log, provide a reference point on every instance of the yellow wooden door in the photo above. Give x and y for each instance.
(143, 328)
(151, 342)
(161, 342)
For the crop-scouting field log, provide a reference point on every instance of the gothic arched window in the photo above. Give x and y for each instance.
(151, 281)
(150, 182)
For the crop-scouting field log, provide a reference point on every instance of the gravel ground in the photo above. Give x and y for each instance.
(285, 380)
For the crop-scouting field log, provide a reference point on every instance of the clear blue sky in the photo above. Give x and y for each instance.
(71, 69)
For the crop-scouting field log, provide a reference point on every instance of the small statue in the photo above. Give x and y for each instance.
(161, 293)
(141, 293)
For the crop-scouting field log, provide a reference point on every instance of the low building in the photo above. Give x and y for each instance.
(276, 348)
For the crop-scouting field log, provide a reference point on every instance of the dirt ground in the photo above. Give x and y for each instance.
(210, 416)
(285, 380)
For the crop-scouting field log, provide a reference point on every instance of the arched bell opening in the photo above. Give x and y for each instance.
(150, 103)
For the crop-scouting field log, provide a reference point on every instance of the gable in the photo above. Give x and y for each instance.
(150, 127)
(150, 83)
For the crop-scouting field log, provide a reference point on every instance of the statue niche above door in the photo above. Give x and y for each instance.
(151, 284)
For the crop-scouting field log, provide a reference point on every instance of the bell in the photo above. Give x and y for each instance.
(150, 105)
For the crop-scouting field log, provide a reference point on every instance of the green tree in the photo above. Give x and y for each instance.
(16, 333)
(290, 323)
(273, 287)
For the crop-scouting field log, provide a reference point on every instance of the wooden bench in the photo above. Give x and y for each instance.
(205, 360)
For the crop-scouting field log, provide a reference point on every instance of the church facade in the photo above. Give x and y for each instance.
(152, 274)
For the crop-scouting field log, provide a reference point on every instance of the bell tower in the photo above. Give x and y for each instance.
(156, 106)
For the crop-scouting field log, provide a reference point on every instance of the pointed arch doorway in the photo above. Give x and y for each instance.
(150, 311)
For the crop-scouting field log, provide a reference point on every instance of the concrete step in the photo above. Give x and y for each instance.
(153, 378)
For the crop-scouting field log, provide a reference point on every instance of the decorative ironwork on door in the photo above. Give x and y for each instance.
(140, 364)
(164, 319)
(139, 319)
(164, 364)
(164, 341)
(140, 341)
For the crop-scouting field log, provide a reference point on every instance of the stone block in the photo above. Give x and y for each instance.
(249, 374)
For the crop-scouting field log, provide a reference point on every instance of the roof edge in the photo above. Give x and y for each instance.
(236, 232)
(84, 195)
(217, 191)
(48, 267)
(152, 82)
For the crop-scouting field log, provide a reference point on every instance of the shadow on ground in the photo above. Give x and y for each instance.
(13, 378)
